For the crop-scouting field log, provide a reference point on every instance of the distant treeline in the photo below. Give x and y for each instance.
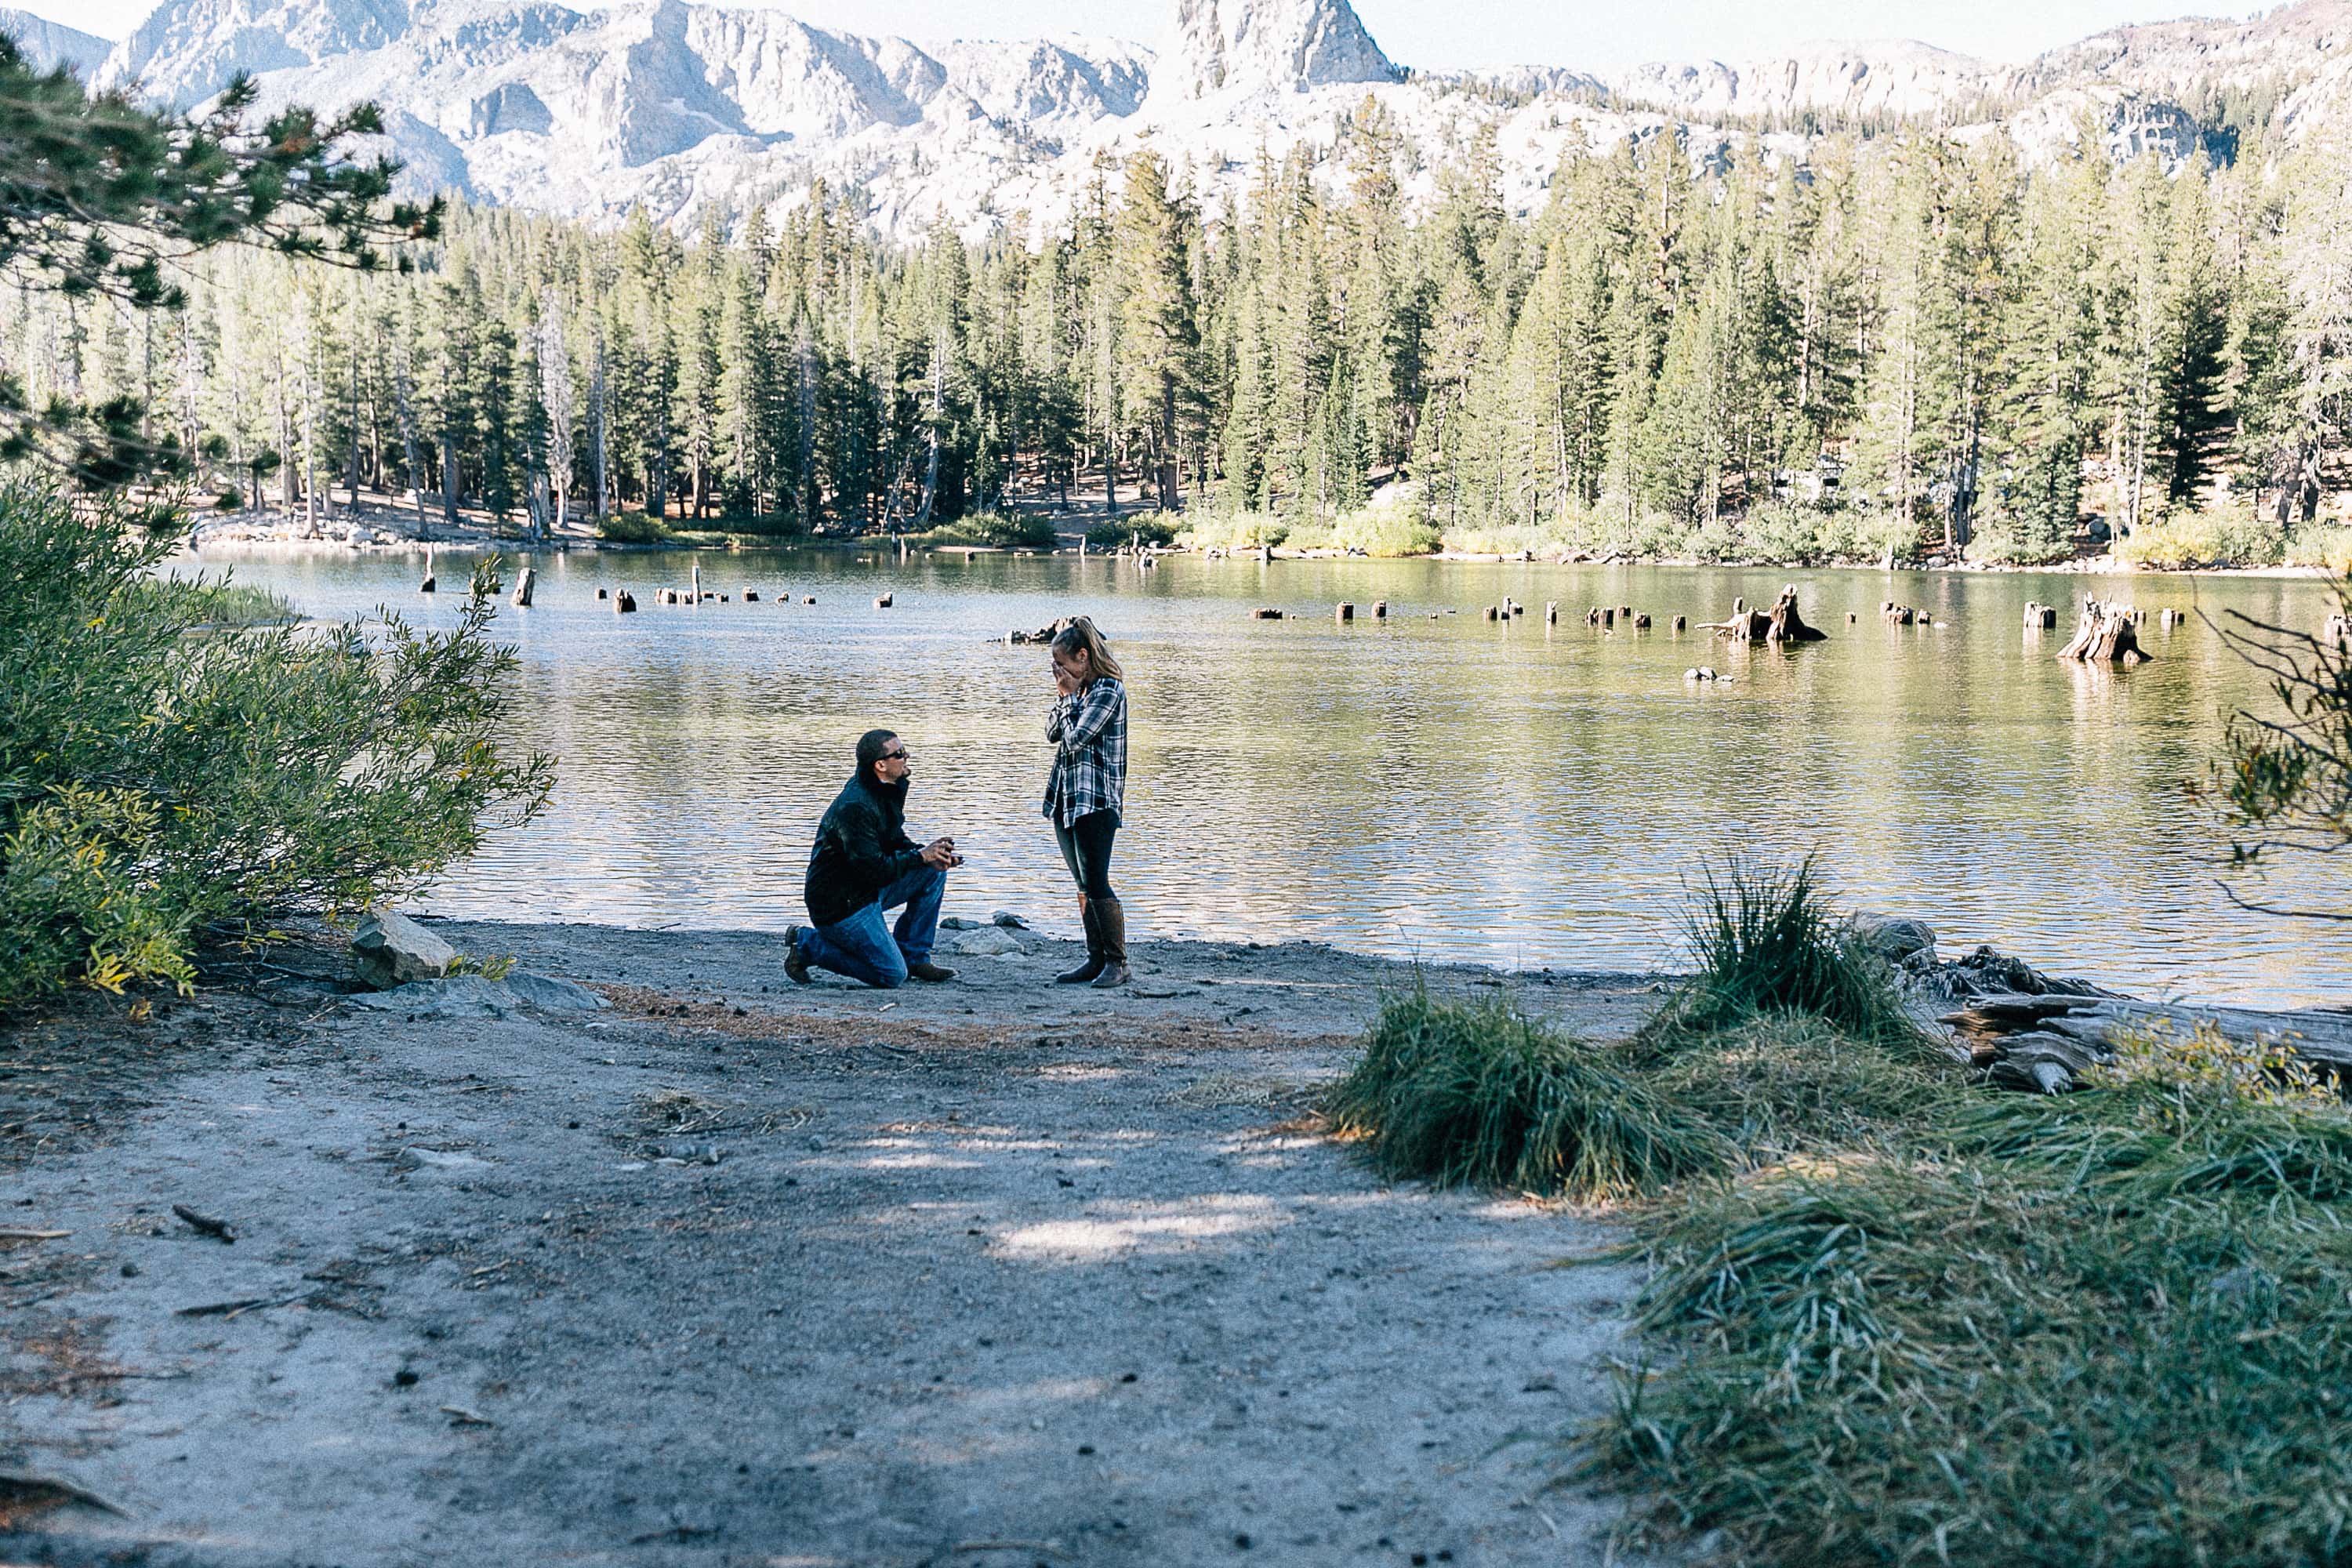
(1928, 343)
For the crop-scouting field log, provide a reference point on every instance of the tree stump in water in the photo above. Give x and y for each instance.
(1782, 624)
(1552, 612)
(1896, 614)
(429, 583)
(1681, 622)
(1346, 613)
(624, 605)
(2041, 618)
(750, 595)
(883, 602)
(2103, 636)
(2339, 631)
(526, 583)
(603, 592)
(1380, 609)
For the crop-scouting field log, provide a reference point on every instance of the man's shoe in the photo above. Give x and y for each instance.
(930, 972)
(1094, 963)
(795, 960)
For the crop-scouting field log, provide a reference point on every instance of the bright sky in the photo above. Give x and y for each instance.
(1439, 33)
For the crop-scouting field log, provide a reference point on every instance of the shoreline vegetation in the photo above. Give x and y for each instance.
(1896, 1311)
(379, 525)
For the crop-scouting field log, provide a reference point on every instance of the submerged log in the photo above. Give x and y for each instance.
(2105, 634)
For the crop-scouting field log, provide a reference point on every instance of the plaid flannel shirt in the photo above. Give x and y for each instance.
(1089, 729)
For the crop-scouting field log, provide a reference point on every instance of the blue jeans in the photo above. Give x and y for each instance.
(863, 946)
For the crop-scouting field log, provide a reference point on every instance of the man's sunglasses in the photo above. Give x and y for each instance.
(899, 755)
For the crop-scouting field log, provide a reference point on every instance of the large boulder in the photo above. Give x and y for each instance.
(389, 950)
(1895, 938)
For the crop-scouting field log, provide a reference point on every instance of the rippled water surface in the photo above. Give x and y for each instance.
(1501, 792)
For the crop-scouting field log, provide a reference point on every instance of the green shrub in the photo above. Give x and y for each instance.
(220, 603)
(2327, 546)
(1482, 1093)
(997, 530)
(634, 527)
(2238, 536)
(153, 783)
(1116, 533)
(1233, 530)
(1389, 531)
(1767, 941)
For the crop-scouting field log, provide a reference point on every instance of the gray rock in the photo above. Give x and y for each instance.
(957, 922)
(983, 943)
(389, 950)
(1009, 921)
(551, 995)
(1893, 937)
(460, 996)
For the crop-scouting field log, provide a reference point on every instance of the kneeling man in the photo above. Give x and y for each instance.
(865, 864)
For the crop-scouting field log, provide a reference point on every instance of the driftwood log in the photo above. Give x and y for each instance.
(2043, 1042)
(1782, 624)
(2105, 634)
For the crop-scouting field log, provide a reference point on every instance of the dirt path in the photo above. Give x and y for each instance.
(974, 1265)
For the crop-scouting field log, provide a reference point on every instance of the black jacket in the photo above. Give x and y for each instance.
(861, 848)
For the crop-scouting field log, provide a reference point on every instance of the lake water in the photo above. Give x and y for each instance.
(1501, 792)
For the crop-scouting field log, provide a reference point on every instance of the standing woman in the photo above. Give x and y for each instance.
(1083, 796)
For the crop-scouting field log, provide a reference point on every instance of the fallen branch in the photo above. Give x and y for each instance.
(1047, 1547)
(205, 1223)
(13, 1234)
(465, 1418)
(27, 1481)
(226, 1310)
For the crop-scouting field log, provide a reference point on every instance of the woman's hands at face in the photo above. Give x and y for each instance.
(1068, 679)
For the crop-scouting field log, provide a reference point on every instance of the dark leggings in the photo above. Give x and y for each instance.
(1086, 849)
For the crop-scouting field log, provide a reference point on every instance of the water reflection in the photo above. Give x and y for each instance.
(1506, 792)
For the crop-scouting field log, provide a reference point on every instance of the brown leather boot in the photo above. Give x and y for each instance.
(1111, 920)
(1094, 963)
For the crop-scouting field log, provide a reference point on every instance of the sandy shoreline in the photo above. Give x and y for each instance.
(735, 1271)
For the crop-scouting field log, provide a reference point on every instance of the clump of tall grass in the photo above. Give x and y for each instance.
(1779, 1084)
(1482, 1094)
(1767, 941)
(2109, 1328)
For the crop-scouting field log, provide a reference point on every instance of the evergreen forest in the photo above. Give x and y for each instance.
(1905, 346)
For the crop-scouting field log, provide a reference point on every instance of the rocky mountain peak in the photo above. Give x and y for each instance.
(1247, 48)
(48, 45)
